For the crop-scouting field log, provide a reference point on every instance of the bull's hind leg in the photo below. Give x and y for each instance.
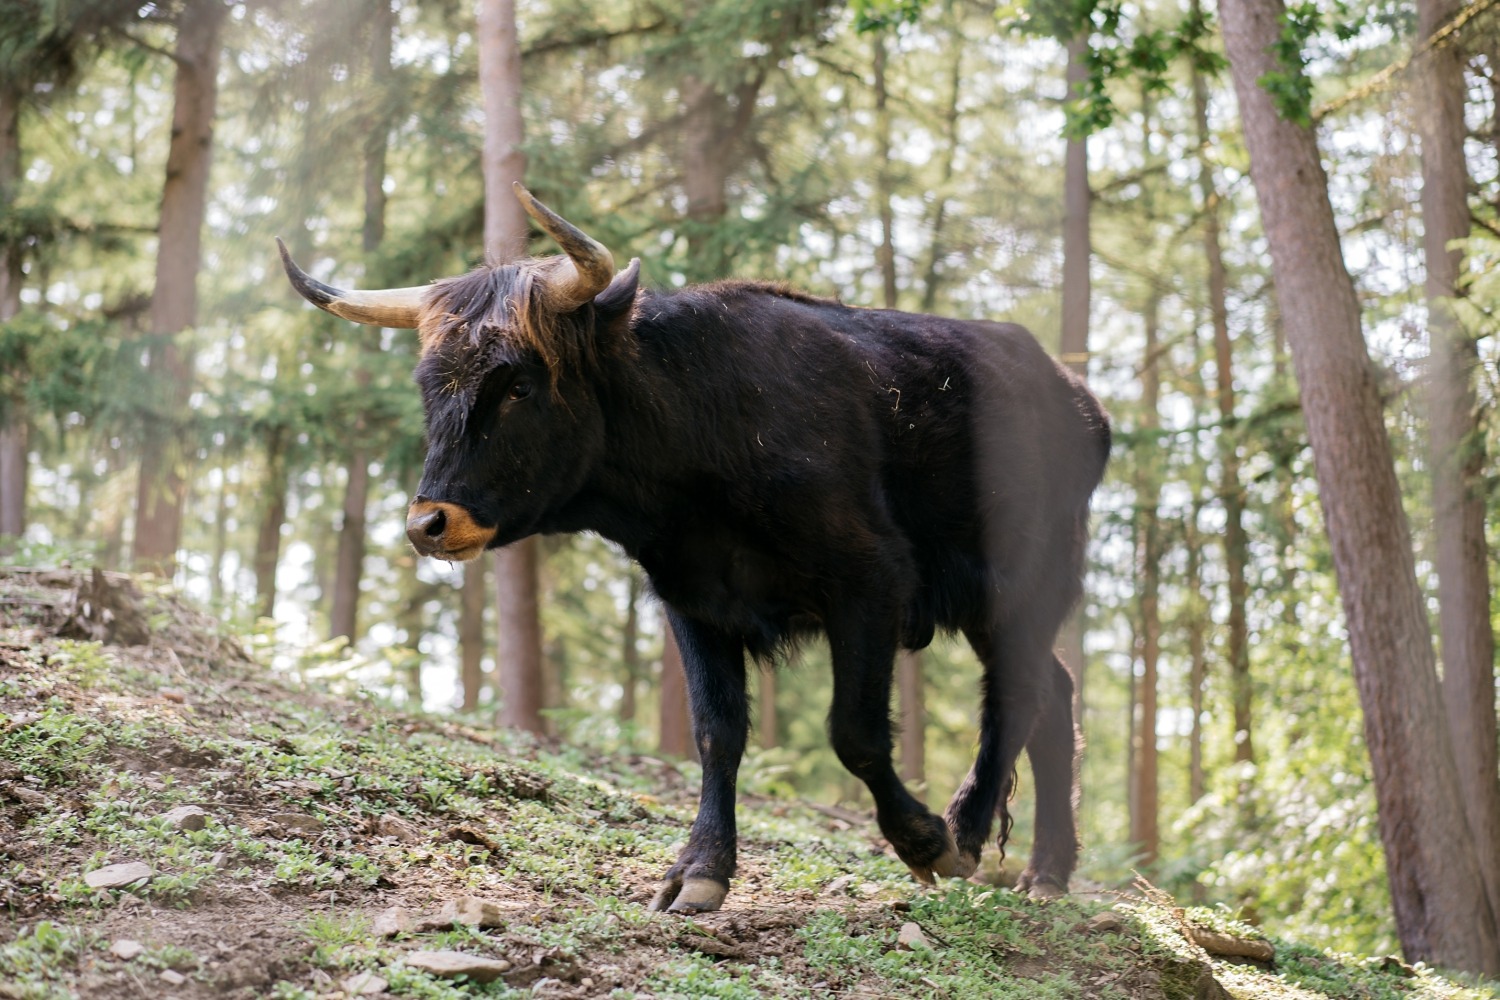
(1011, 697)
(715, 665)
(1053, 751)
(863, 643)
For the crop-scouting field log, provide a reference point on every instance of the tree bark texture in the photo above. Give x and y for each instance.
(473, 599)
(1457, 446)
(765, 703)
(630, 654)
(273, 516)
(675, 736)
(162, 487)
(1442, 911)
(912, 710)
(13, 419)
(518, 649)
(1073, 346)
(1231, 490)
(1144, 814)
(349, 559)
(518, 658)
(349, 563)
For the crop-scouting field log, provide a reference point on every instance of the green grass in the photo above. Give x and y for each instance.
(573, 837)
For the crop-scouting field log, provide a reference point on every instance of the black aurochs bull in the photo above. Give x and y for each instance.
(778, 464)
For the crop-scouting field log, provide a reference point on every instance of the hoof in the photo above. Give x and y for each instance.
(693, 895)
(1040, 887)
(950, 864)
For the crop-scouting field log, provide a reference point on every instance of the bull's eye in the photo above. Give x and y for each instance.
(519, 389)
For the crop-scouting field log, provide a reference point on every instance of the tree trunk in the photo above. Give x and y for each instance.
(1231, 490)
(268, 538)
(349, 559)
(705, 172)
(1442, 911)
(471, 633)
(630, 655)
(766, 702)
(1197, 660)
(518, 649)
(13, 420)
(676, 733)
(934, 275)
(518, 658)
(349, 563)
(1144, 817)
(162, 487)
(1457, 446)
(1073, 346)
(913, 719)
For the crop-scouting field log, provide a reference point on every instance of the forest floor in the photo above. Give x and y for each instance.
(290, 843)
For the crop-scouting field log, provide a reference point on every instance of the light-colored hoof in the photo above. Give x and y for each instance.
(1046, 890)
(694, 895)
(950, 864)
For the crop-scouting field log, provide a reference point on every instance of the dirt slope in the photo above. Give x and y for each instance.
(294, 844)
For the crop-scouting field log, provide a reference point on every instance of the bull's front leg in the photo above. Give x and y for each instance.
(714, 662)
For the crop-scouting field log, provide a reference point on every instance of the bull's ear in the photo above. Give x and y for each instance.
(620, 294)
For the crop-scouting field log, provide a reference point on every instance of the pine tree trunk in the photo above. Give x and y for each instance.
(1197, 660)
(349, 563)
(1231, 490)
(630, 655)
(518, 660)
(675, 737)
(162, 488)
(765, 702)
(273, 516)
(349, 558)
(934, 275)
(1073, 346)
(909, 692)
(1144, 818)
(1457, 444)
(705, 172)
(474, 597)
(518, 649)
(1442, 911)
(13, 419)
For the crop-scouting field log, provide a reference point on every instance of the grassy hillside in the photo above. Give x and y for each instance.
(295, 844)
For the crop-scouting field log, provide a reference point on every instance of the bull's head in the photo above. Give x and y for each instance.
(513, 419)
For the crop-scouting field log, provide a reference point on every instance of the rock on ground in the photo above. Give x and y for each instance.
(455, 963)
(118, 876)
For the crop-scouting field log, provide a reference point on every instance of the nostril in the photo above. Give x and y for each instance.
(437, 525)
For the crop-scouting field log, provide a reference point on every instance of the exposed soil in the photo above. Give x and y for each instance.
(325, 813)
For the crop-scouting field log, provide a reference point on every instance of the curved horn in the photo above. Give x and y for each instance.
(593, 265)
(393, 307)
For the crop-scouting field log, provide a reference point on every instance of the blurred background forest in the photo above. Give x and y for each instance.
(175, 408)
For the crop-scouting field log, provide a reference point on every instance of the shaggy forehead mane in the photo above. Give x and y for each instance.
(494, 314)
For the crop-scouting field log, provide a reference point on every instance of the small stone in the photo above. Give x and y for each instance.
(172, 977)
(391, 825)
(839, 885)
(469, 834)
(118, 876)
(449, 964)
(363, 984)
(186, 818)
(471, 911)
(125, 949)
(389, 923)
(911, 938)
(298, 823)
(1105, 923)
